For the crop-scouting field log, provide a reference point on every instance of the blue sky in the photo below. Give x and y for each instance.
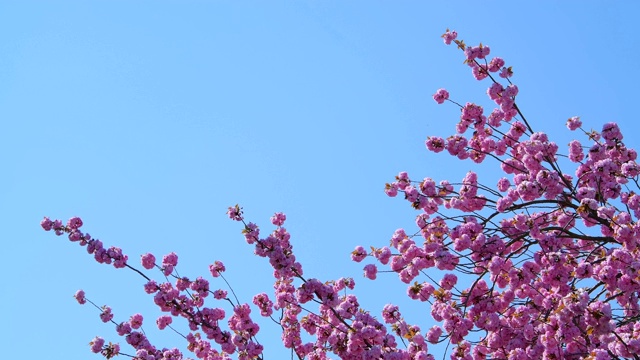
(149, 118)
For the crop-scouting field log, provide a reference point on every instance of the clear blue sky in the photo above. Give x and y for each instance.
(149, 118)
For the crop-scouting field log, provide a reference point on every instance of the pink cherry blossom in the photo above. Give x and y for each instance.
(148, 261)
(235, 213)
(46, 224)
(441, 96)
(106, 314)
(96, 344)
(216, 268)
(80, 297)
(574, 123)
(358, 254)
(136, 321)
(449, 36)
(496, 64)
(391, 189)
(220, 294)
(163, 321)
(74, 223)
(506, 72)
(123, 328)
(278, 219)
(370, 271)
(435, 144)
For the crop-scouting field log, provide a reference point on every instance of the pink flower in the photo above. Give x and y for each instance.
(506, 72)
(383, 255)
(495, 92)
(358, 254)
(235, 213)
(495, 118)
(441, 95)
(496, 64)
(74, 223)
(600, 354)
(411, 193)
(170, 259)
(390, 313)
(151, 287)
(163, 321)
(435, 144)
(503, 184)
(611, 133)
(511, 91)
(80, 297)
(119, 259)
(167, 270)
(479, 72)
(96, 344)
(449, 36)
(183, 283)
(148, 261)
(433, 334)
(402, 180)
(575, 151)
(46, 224)
(278, 219)
(135, 321)
(201, 286)
(75, 235)
(370, 271)
(220, 294)
(110, 351)
(484, 51)
(471, 111)
(630, 169)
(251, 233)
(391, 189)
(426, 291)
(94, 246)
(574, 123)
(262, 301)
(472, 53)
(106, 314)
(216, 268)
(123, 328)
(456, 145)
(169, 262)
(448, 281)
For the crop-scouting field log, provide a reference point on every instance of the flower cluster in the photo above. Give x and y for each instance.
(112, 255)
(543, 264)
(544, 285)
(339, 325)
(184, 298)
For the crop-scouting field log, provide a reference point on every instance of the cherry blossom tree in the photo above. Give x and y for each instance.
(543, 264)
